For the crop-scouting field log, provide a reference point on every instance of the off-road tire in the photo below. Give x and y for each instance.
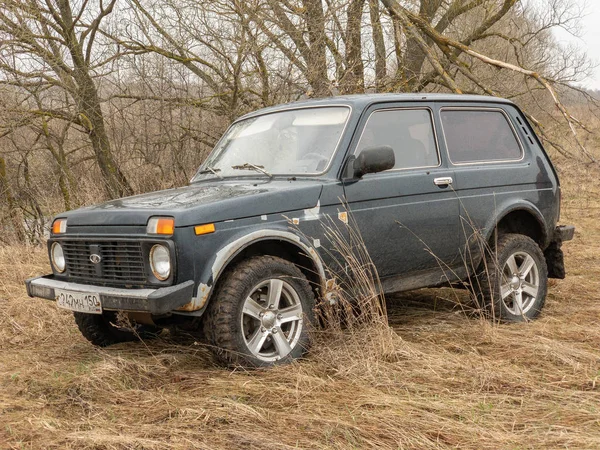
(490, 277)
(100, 329)
(221, 322)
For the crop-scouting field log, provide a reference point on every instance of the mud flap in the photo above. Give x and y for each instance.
(555, 258)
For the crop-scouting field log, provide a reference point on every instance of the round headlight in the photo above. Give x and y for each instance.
(58, 257)
(160, 262)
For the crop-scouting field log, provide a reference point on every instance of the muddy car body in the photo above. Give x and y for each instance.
(425, 178)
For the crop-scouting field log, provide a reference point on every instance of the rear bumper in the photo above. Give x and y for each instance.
(563, 233)
(154, 301)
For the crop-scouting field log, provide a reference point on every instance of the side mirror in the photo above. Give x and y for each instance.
(373, 160)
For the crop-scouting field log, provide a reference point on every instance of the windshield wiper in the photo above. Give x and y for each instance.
(209, 169)
(249, 166)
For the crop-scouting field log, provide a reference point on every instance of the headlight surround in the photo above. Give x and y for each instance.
(58, 257)
(160, 262)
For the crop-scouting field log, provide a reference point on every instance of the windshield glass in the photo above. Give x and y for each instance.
(292, 142)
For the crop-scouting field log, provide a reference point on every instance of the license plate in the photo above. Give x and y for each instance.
(78, 301)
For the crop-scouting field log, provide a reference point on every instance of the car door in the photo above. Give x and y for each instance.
(491, 167)
(407, 216)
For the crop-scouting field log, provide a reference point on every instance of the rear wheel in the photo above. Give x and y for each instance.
(260, 313)
(514, 279)
(104, 330)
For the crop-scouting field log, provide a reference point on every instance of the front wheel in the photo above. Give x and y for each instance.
(104, 329)
(514, 279)
(260, 313)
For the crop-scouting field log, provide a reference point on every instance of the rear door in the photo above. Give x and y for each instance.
(408, 216)
(492, 167)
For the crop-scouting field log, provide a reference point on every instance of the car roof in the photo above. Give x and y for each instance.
(361, 101)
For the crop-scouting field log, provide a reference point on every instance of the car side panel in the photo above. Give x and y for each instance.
(210, 254)
(408, 223)
(489, 190)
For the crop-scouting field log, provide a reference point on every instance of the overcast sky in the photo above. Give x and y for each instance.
(589, 39)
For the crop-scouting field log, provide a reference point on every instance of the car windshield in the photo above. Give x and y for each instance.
(292, 142)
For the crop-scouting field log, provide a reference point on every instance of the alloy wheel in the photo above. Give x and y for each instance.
(520, 283)
(272, 320)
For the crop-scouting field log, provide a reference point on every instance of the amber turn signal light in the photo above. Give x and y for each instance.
(161, 225)
(59, 226)
(204, 229)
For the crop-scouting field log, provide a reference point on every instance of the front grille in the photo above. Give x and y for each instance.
(121, 264)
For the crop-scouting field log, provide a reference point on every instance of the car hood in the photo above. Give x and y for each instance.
(202, 203)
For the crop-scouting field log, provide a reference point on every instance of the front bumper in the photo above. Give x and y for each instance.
(154, 301)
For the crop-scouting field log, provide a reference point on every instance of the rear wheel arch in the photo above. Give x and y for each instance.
(525, 221)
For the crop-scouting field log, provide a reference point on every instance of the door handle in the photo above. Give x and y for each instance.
(442, 181)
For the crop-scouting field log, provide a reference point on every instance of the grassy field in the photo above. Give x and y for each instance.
(438, 378)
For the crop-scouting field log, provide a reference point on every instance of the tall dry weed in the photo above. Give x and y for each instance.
(442, 381)
(354, 339)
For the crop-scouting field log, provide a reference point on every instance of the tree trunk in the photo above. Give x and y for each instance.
(13, 212)
(399, 79)
(379, 43)
(415, 56)
(90, 111)
(66, 180)
(354, 77)
(316, 60)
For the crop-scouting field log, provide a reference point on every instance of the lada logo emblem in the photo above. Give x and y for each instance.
(95, 258)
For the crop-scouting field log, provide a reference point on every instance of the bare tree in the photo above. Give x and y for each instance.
(49, 45)
(7, 196)
(379, 45)
(443, 51)
(151, 84)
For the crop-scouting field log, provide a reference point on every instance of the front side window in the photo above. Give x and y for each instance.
(479, 136)
(409, 132)
(291, 142)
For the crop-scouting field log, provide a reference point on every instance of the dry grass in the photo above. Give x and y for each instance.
(437, 379)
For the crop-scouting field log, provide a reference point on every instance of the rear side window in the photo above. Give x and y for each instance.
(409, 132)
(479, 136)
